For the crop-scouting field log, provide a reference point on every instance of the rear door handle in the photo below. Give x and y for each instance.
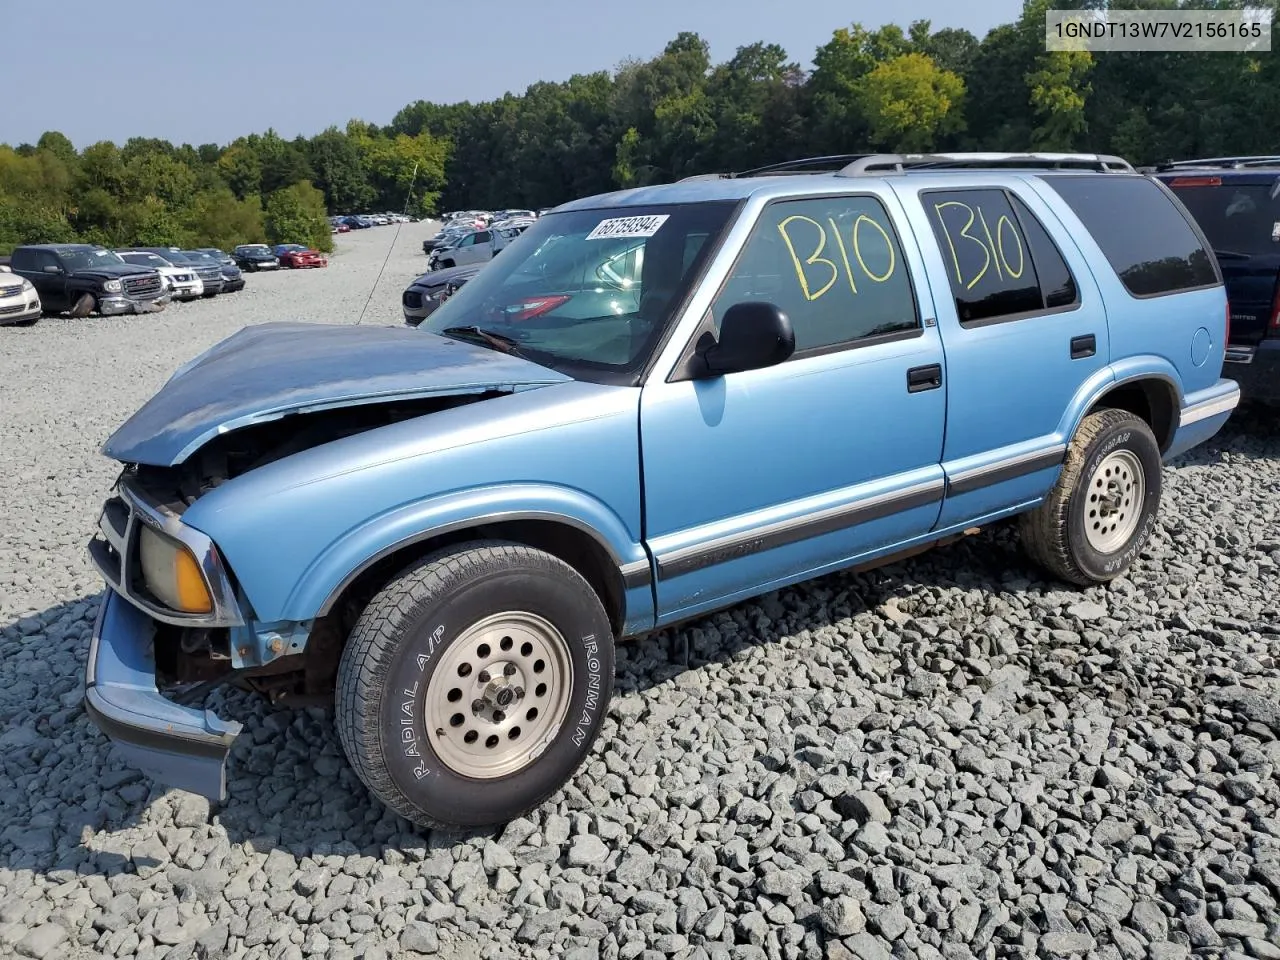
(924, 378)
(1082, 347)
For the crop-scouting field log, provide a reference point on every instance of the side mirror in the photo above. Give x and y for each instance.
(51, 268)
(752, 335)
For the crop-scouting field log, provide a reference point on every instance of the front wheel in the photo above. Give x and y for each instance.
(84, 306)
(1100, 513)
(474, 684)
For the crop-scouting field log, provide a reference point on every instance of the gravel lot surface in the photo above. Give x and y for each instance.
(948, 757)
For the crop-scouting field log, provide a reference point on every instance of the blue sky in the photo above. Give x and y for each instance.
(207, 72)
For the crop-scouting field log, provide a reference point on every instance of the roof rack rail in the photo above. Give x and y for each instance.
(1221, 162)
(828, 164)
(901, 162)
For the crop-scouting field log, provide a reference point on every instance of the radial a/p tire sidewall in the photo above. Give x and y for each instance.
(414, 767)
(1135, 438)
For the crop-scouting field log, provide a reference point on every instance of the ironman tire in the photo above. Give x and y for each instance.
(1103, 507)
(474, 684)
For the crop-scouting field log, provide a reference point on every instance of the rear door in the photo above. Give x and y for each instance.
(1240, 214)
(1024, 327)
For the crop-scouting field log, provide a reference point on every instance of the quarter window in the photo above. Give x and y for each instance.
(1147, 239)
(834, 265)
(1001, 262)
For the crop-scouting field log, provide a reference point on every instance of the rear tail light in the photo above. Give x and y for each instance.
(1196, 182)
(1226, 333)
(1274, 326)
(532, 307)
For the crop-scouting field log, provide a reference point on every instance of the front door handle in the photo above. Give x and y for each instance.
(924, 378)
(1082, 347)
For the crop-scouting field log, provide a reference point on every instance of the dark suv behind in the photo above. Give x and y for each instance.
(83, 278)
(1236, 201)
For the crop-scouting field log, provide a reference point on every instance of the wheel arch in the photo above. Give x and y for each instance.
(1149, 390)
(1152, 398)
(569, 539)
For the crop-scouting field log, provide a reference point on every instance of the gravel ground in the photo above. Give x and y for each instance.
(947, 757)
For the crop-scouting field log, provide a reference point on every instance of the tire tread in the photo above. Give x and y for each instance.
(370, 649)
(1043, 531)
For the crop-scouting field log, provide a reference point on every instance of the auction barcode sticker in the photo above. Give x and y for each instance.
(627, 227)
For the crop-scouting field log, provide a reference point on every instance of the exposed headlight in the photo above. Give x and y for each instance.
(112, 286)
(26, 284)
(171, 572)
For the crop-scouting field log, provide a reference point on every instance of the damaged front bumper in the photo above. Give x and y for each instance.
(177, 746)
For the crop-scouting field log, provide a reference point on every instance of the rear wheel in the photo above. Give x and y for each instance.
(1101, 512)
(474, 684)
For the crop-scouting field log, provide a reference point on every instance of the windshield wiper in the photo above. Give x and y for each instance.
(498, 341)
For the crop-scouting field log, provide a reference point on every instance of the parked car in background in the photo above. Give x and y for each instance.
(229, 277)
(1236, 202)
(82, 278)
(427, 292)
(255, 256)
(222, 257)
(19, 300)
(183, 281)
(424, 523)
(206, 268)
(474, 246)
(297, 257)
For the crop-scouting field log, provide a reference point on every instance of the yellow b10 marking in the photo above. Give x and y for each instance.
(992, 248)
(816, 258)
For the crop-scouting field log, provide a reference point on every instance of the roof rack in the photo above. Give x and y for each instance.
(829, 164)
(901, 162)
(1221, 163)
(867, 164)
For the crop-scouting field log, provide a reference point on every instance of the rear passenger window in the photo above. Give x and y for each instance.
(1002, 264)
(1146, 238)
(833, 265)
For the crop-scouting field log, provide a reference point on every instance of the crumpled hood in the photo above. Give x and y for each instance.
(272, 369)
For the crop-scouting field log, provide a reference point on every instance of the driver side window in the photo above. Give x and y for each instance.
(834, 265)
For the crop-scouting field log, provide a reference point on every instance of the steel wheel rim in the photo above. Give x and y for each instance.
(499, 695)
(1114, 501)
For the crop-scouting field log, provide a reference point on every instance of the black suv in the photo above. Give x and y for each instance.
(83, 278)
(1236, 201)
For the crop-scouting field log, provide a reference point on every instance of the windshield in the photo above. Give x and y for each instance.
(88, 259)
(1237, 218)
(254, 248)
(144, 259)
(589, 292)
(198, 255)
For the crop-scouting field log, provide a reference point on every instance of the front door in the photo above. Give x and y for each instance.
(1025, 329)
(51, 285)
(762, 478)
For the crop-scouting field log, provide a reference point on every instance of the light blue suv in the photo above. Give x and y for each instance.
(443, 531)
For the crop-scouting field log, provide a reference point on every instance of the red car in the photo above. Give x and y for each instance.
(295, 255)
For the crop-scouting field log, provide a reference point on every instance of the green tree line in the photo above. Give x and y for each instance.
(651, 121)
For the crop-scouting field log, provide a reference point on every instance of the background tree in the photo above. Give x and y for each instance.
(296, 214)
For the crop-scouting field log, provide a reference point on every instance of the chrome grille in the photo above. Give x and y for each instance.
(144, 285)
(10, 291)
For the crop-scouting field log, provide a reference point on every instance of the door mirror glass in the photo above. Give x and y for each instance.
(52, 268)
(753, 335)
